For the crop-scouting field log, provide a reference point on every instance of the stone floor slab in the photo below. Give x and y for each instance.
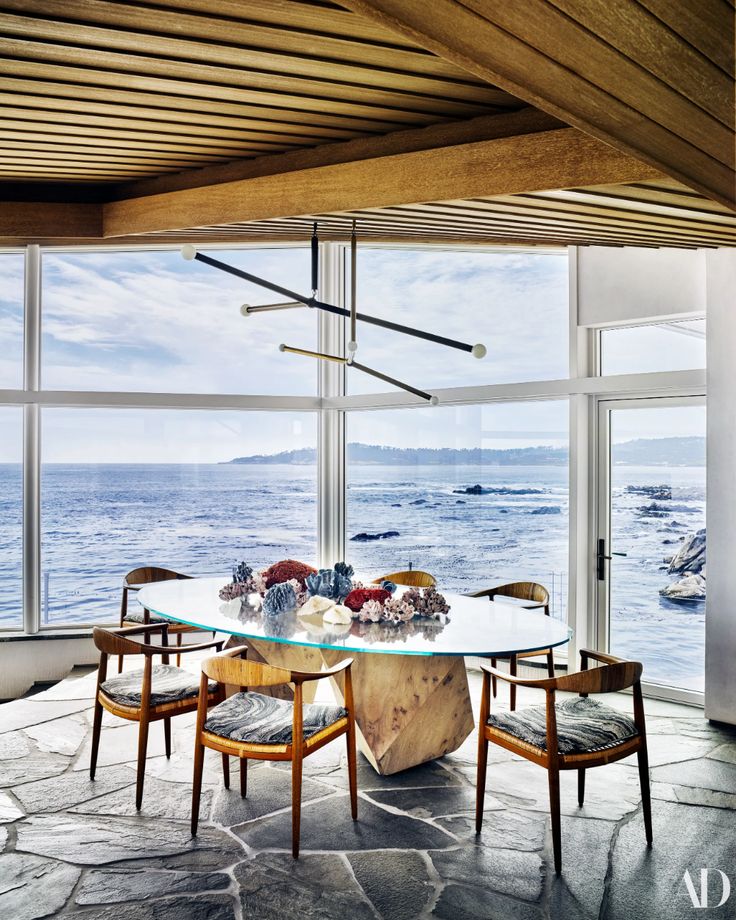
(32, 887)
(516, 873)
(725, 752)
(327, 825)
(160, 800)
(95, 840)
(205, 907)
(112, 886)
(36, 765)
(704, 774)
(650, 882)
(466, 902)
(275, 887)
(59, 736)
(120, 745)
(397, 884)
(68, 790)
(9, 810)
(509, 829)
(432, 802)
(25, 712)
(579, 892)
(269, 790)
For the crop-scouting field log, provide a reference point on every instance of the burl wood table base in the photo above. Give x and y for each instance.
(409, 708)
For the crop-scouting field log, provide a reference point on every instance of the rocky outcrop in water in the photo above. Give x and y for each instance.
(365, 537)
(548, 509)
(656, 493)
(690, 557)
(657, 510)
(690, 588)
(495, 490)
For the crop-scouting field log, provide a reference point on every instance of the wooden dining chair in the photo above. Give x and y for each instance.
(414, 578)
(575, 734)
(134, 581)
(147, 695)
(536, 597)
(250, 725)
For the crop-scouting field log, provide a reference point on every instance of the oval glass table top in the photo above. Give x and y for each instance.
(474, 626)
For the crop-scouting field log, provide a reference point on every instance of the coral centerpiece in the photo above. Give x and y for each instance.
(360, 596)
(287, 569)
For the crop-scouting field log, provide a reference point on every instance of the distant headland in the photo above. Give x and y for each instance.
(682, 451)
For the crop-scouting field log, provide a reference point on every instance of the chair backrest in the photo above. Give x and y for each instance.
(609, 678)
(240, 672)
(522, 590)
(110, 642)
(150, 573)
(414, 578)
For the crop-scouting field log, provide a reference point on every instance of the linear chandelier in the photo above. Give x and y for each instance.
(295, 300)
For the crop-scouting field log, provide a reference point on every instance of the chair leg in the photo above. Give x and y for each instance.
(226, 770)
(646, 803)
(197, 784)
(243, 777)
(96, 731)
(480, 785)
(296, 804)
(581, 787)
(178, 654)
(167, 737)
(554, 811)
(550, 664)
(493, 678)
(352, 770)
(142, 747)
(512, 671)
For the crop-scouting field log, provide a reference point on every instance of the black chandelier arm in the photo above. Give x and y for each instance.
(432, 400)
(477, 351)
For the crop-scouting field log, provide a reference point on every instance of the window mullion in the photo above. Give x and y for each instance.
(31, 443)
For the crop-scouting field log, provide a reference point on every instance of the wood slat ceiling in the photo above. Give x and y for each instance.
(648, 214)
(100, 91)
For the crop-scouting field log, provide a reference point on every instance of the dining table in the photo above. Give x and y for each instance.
(411, 695)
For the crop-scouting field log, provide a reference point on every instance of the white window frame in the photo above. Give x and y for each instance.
(583, 387)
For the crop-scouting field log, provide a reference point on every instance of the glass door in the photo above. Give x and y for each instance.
(650, 547)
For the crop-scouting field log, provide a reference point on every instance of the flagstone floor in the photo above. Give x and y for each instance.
(74, 848)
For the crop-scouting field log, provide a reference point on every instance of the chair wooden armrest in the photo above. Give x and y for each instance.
(486, 592)
(141, 628)
(545, 683)
(304, 676)
(201, 646)
(586, 653)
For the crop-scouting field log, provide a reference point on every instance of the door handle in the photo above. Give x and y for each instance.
(601, 558)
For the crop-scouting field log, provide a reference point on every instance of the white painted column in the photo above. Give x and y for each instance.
(720, 632)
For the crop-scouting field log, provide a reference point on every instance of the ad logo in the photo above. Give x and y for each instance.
(701, 901)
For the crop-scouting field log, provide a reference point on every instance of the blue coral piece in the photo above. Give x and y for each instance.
(242, 572)
(279, 599)
(342, 568)
(388, 586)
(329, 583)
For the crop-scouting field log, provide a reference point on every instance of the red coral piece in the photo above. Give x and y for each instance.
(359, 596)
(282, 571)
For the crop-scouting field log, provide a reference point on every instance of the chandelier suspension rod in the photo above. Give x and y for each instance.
(476, 350)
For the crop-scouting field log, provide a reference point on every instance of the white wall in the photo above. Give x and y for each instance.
(25, 661)
(618, 286)
(720, 639)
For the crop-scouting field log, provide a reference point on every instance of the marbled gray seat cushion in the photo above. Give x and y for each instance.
(168, 685)
(136, 616)
(260, 719)
(583, 725)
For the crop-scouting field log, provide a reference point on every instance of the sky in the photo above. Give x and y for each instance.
(150, 321)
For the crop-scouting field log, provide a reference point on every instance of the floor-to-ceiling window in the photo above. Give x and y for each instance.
(151, 422)
(477, 495)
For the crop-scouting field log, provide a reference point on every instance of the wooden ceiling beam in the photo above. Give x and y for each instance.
(614, 71)
(543, 160)
(24, 222)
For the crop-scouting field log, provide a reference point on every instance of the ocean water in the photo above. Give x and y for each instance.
(100, 521)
